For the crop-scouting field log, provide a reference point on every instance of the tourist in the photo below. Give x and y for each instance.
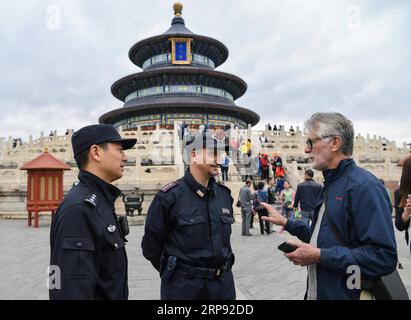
(287, 197)
(261, 195)
(224, 164)
(255, 166)
(280, 185)
(264, 167)
(271, 191)
(246, 203)
(184, 126)
(249, 147)
(187, 133)
(227, 127)
(248, 168)
(243, 150)
(307, 196)
(277, 165)
(234, 152)
(402, 203)
(352, 226)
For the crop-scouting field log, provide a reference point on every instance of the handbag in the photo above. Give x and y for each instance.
(388, 287)
(238, 204)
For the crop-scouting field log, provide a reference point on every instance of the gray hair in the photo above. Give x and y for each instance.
(331, 124)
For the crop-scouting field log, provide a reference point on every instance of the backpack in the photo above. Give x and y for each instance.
(258, 199)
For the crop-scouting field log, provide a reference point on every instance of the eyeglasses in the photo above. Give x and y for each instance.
(310, 142)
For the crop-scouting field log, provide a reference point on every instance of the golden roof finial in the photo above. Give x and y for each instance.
(46, 150)
(178, 9)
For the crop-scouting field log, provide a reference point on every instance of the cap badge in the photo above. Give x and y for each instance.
(111, 228)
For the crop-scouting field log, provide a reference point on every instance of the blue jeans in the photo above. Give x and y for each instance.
(288, 213)
(307, 217)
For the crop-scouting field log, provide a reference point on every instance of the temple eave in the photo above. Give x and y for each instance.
(162, 76)
(159, 108)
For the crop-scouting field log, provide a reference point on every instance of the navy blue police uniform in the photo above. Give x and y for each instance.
(187, 239)
(87, 239)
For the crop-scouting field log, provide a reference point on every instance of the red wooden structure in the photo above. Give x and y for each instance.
(44, 185)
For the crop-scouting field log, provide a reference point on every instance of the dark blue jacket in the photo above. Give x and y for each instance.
(87, 243)
(280, 185)
(307, 195)
(191, 222)
(258, 197)
(359, 206)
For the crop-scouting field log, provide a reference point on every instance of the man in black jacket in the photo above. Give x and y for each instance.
(87, 240)
(307, 195)
(188, 228)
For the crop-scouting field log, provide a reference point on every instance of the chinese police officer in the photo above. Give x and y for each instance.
(87, 239)
(188, 228)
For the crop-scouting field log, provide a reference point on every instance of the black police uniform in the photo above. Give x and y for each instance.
(187, 239)
(87, 243)
(86, 239)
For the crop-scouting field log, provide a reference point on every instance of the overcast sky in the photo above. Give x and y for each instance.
(58, 59)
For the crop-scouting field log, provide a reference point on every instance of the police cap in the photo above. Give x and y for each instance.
(87, 136)
(203, 141)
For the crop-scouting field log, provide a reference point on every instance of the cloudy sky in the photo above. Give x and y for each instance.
(59, 58)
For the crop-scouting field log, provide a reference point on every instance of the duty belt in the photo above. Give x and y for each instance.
(201, 272)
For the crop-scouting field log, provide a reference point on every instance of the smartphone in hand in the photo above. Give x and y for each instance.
(287, 247)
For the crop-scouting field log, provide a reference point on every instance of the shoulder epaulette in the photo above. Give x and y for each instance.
(91, 199)
(170, 186)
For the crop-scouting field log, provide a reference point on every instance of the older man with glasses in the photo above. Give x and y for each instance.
(352, 227)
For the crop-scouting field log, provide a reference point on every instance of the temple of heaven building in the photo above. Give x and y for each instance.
(179, 83)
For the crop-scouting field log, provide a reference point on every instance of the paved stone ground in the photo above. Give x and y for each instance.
(261, 271)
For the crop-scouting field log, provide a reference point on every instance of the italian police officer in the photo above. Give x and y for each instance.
(87, 239)
(188, 228)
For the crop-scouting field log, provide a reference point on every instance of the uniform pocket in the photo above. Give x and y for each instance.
(226, 222)
(79, 258)
(113, 255)
(193, 231)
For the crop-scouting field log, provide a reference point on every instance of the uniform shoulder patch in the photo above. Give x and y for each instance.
(91, 199)
(170, 186)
